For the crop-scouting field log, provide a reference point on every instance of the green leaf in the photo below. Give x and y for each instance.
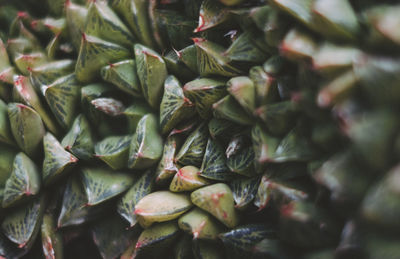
(114, 151)
(188, 56)
(187, 179)
(154, 241)
(7, 156)
(214, 163)
(212, 13)
(298, 45)
(79, 140)
(52, 241)
(243, 90)
(264, 145)
(229, 109)
(135, 112)
(295, 146)
(101, 184)
(167, 168)
(217, 199)
(74, 208)
(75, 16)
(300, 224)
(242, 162)
(142, 187)
(123, 75)
(244, 190)
(161, 206)
(336, 20)
(152, 71)
(176, 67)
(25, 93)
(136, 15)
(5, 129)
(26, 127)
(108, 106)
(301, 11)
(175, 107)
(204, 92)
(200, 224)
(223, 129)
(94, 54)
(211, 61)
(47, 73)
(24, 62)
(63, 97)
(245, 238)
(279, 117)
(146, 145)
(22, 225)
(102, 22)
(23, 182)
(192, 150)
(57, 162)
(183, 248)
(243, 49)
(111, 236)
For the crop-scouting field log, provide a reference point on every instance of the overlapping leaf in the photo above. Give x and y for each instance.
(114, 151)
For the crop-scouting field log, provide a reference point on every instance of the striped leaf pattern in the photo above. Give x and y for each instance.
(214, 163)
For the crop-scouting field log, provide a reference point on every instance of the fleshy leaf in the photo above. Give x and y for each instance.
(242, 162)
(187, 179)
(22, 225)
(204, 92)
(114, 151)
(161, 206)
(25, 62)
(211, 61)
(214, 163)
(5, 129)
(79, 140)
(135, 112)
(192, 150)
(279, 117)
(217, 199)
(212, 13)
(75, 16)
(243, 49)
(336, 19)
(200, 224)
(264, 145)
(63, 97)
(74, 209)
(188, 56)
(52, 242)
(102, 22)
(7, 156)
(147, 145)
(175, 107)
(101, 184)
(265, 86)
(154, 241)
(243, 90)
(25, 93)
(111, 236)
(123, 75)
(109, 106)
(27, 127)
(57, 162)
(229, 109)
(166, 167)
(23, 182)
(152, 71)
(49, 72)
(244, 190)
(142, 187)
(94, 54)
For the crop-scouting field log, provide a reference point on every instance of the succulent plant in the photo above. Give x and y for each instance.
(199, 129)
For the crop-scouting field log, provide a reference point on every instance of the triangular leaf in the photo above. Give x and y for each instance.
(114, 151)
(167, 168)
(57, 161)
(214, 163)
(24, 181)
(187, 179)
(192, 150)
(102, 184)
